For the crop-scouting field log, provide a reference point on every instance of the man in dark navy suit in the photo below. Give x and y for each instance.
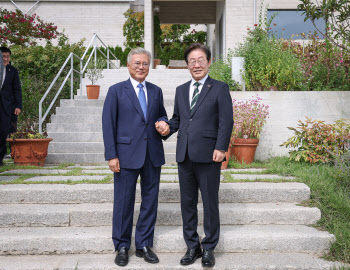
(132, 111)
(203, 117)
(10, 99)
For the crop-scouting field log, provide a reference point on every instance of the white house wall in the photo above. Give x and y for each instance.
(81, 19)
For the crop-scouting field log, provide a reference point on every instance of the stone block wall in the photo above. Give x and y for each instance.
(286, 108)
(81, 19)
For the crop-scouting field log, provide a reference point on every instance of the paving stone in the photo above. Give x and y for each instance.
(168, 261)
(65, 178)
(36, 171)
(8, 178)
(98, 171)
(261, 176)
(88, 167)
(245, 170)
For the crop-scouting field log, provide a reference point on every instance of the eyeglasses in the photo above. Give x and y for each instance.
(138, 64)
(200, 62)
(6, 57)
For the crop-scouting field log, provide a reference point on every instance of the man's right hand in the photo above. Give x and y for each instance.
(114, 165)
(162, 127)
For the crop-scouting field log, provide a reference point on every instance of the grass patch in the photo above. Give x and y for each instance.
(235, 165)
(331, 198)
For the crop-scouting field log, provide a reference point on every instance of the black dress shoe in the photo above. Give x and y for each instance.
(122, 257)
(191, 256)
(208, 259)
(147, 254)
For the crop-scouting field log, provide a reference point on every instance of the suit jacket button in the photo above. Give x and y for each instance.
(145, 139)
(191, 119)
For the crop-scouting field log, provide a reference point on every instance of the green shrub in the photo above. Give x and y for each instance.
(174, 51)
(38, 66)
(317, 141)
(221, 70)
(342, 166)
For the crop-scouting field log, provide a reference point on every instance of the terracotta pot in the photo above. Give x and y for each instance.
(29, 151)
(93, 91)
(156, 62)
(243, 150)
(224, 164)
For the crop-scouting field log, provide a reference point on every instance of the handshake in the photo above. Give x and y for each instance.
(162, 127)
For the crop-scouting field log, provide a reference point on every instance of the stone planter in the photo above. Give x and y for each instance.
(243, 150)
(29, 151)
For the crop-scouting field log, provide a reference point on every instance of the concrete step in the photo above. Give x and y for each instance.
(76, 127)
(92, 158)
(93, 215)
(86, 137)
(168, 101)
(93, 147)
(168, 261)
(94, 110)
(235, 238)
(251, 192)
(84, 97)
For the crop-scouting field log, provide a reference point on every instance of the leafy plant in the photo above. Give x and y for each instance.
(337, 15)
(317, 141)
(133, 28)
(221, 69)
(266, 63)
(21, 29)
(29, 130)
(175, 51)
(94, 71)
(38, 66)
(249, 118)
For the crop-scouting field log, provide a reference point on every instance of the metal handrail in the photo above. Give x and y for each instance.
(93, 43)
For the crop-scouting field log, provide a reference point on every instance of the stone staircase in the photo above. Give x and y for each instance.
(76, 126)
(45, 226)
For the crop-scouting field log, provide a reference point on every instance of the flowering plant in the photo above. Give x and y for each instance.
(21, 29)
(249, 118)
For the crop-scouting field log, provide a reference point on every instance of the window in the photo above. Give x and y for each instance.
(292, 22)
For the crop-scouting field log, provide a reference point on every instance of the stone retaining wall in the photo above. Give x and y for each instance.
(286, 108)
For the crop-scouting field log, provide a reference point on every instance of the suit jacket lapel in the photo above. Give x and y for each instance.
(186, 96)
(130, 91)
(205, 90)
(150, 98)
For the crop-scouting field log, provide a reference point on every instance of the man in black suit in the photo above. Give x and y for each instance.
(203, 117)
(10, 99)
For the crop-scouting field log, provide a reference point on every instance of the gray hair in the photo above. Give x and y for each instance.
(138, 50)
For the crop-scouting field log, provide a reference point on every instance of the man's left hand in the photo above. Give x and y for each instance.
(17, 111)
(218, 155)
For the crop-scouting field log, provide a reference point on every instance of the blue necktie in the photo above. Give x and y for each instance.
(142, 99)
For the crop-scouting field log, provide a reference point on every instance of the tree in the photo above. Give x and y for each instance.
(21, 29)
(337, 15)
(133, 28)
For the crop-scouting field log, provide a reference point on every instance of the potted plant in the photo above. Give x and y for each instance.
(94, 73)
(249, 119)
(29, 147)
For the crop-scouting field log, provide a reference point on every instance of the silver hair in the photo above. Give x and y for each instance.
(138, 50)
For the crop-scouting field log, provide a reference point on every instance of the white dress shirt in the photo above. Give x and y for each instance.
(137, 90)
(193, 87)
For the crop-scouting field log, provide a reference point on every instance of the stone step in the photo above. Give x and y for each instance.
(234, 238)
(168, 101)
(91, 158)
(76, 127)
(86, 137)
(258, 192)
(101, 97)
(67, 115)
(93, 215)
(168, 261)
(93, 147)
(94, 111)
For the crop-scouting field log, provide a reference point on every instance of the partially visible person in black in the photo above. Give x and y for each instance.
(10, 100)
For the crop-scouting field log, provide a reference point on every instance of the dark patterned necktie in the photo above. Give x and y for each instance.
(195, 95)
